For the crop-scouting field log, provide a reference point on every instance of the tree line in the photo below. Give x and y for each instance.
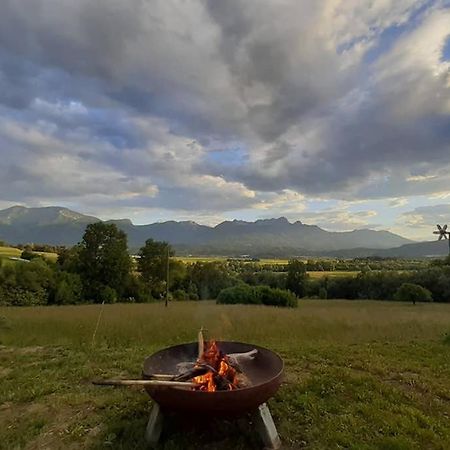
(100, 269)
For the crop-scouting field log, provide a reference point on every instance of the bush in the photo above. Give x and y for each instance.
(179, 294)
(240, 294)
(276, 297)
(18, 296)
(68, 289)
(108, 295)
(136, 290)
(28, 255)
(410, 292)
(259, 295)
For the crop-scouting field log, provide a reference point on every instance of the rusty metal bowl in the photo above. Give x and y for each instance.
(264, 372)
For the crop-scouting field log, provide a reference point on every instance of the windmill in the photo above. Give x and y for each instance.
(442, 232)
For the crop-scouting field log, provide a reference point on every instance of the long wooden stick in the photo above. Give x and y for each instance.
(144, 383)
(160, 376)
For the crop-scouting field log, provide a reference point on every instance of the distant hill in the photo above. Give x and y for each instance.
(278, 237)
(412, 250)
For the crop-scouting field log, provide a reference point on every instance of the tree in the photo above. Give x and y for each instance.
(68, 289)
(296, 277)
(103, 261)
(411, 292)
(154, 258)
(69, 259)
(210, 278)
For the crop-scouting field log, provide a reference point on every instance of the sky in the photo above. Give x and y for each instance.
(332, 112)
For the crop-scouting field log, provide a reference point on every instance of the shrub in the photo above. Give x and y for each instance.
(410, 292)
(28, 255)
(179, 294)
(108, 295)
(276, 297)
(68, 289)
(240, 294)
(17, 296)
(244, 294)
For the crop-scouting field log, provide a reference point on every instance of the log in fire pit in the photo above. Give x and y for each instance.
(231, 379)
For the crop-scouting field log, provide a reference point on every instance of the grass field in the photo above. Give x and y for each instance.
(193, 259)
(7, 252)
(10, 252)
(359, 374)
(332, 274)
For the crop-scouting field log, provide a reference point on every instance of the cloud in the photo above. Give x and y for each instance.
(244, 105)
(427, 216)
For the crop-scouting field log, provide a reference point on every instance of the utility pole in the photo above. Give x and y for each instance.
(167, 277)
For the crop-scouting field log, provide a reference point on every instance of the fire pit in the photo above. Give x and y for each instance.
(213, 379)
(262, 372)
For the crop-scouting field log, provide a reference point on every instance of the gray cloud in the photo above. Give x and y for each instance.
(428, 216)
(112, 103)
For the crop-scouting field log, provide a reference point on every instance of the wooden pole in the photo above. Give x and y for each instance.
(145, 383)
(167, 287)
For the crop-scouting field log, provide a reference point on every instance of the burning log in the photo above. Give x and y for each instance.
(214, 370)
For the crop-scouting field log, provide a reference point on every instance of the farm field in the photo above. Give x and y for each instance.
(332, 274)
(11, 252)
(193, 259)
(359, 374)
(6, 252)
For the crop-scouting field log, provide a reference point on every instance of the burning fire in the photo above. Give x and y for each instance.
(220, 375)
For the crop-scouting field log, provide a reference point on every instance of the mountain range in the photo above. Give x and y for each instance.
(268, 237)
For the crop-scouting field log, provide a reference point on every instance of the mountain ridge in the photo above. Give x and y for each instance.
(62, 226)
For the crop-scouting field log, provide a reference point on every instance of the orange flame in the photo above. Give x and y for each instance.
(221, 376)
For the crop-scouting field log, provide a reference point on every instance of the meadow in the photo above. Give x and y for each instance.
(6, 253)
(358, 374)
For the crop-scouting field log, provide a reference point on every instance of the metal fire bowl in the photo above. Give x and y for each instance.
(265, 373)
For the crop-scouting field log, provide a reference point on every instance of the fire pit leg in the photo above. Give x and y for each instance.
(154, 426)
(265, 427)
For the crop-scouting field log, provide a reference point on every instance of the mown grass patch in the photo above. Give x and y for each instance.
(361, 375)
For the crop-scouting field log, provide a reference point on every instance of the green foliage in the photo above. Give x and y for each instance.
(240, 294)
(137, 290)
(265, 277)
(179, 294)
(152, 262)
(28, 255)
(210, 278)
(26, 283)
(104, 262)
(296, 277)
(410, 292)
(276, 297)
(68, 289)
(107, 294)
(69, 259)
(259, 295)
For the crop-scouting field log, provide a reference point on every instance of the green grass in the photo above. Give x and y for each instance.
(332, 274)
(359, 375)
(10, 252)
(7, 252)
(194, 259)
